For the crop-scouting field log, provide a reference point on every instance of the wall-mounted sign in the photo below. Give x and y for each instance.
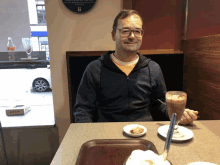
(79, 6)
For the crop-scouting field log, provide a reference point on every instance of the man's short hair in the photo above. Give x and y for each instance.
(124, 14)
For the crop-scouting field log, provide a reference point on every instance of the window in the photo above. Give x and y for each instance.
(43, 46)
(41, 13)
(35, 44)
(23, 80)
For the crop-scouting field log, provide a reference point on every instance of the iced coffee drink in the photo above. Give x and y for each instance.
(176, 103)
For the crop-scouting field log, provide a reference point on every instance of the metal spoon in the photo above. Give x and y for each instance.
(169, 137)
(161, 101)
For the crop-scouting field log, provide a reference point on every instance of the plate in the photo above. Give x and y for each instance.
(201, 163)
(188, 134)
(128, 128)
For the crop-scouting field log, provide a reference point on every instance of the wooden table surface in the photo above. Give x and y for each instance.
(204, 146)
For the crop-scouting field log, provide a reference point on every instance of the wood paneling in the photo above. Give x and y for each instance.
(160, 51)
(163, 23)
(145, 52)
(184, 17)
(203, 18)
(201, 75)
(127, 4)
(84, 53)
(204, 44)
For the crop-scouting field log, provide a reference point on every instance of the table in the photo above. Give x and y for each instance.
(205, 145)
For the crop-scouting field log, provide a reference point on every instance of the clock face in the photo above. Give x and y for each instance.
(79, 6)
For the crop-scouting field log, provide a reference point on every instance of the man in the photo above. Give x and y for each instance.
(123, 85)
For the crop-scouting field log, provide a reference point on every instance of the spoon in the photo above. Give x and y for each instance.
(168, 140)
(161, 101)
(169, 137)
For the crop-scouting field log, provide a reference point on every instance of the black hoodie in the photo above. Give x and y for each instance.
(106, 94)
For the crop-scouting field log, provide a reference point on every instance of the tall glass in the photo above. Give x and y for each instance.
(27, 46)
(176, 103)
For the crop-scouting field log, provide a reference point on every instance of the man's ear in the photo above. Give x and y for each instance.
(113, 35)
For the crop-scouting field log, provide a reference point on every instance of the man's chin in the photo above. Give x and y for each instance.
(131, 49)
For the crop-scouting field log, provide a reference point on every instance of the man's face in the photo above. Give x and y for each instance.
(130, 43)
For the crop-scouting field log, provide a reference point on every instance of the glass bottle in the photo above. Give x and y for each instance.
(10, 45)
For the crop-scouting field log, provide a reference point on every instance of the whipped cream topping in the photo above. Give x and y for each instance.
(140, 157)
(175, 97)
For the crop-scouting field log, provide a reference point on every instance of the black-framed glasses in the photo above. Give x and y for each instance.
(125, 32)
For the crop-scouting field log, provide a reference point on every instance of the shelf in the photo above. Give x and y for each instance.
(160, 51)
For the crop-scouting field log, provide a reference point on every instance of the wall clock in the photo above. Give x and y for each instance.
(79, 6)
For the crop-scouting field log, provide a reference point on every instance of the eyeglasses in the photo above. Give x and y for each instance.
(127, 32)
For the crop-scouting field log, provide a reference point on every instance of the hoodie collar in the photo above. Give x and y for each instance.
(143, 61)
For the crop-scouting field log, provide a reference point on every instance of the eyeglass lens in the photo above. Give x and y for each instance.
(127, 32)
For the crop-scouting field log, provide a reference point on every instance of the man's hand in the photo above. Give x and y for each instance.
(188, 117)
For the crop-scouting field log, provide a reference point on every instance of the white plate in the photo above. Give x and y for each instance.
(128, 128)
(201, 163)
(188, 133)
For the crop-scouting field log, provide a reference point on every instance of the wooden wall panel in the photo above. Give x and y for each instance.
(127, 4)
(162, 22)
(203, 18)
(204, 44)
(201, 78)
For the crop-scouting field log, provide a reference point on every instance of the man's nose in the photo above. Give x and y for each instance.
(131, 35)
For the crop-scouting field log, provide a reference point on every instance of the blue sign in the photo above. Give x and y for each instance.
(39, 34)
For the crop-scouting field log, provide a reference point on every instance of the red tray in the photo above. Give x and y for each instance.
(111, 151)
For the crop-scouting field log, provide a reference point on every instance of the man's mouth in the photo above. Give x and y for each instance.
(130, 42)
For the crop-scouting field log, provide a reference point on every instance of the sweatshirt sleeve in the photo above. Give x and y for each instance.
(159, 110)
(84, 110)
